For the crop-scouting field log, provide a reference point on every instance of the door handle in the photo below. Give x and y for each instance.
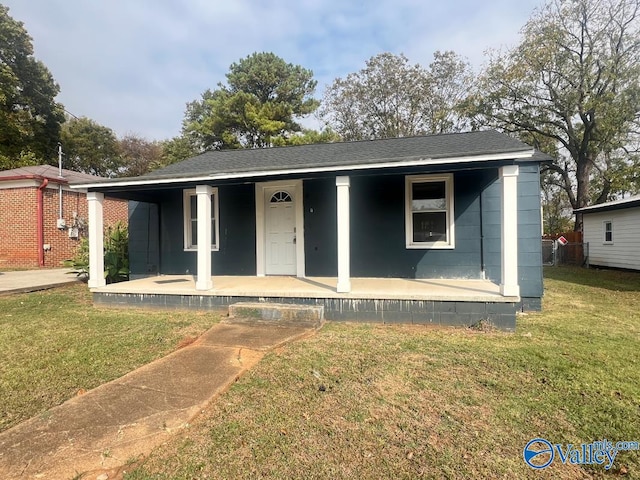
(294, 239)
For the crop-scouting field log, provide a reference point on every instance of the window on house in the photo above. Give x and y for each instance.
(190, 203)
(607, 227)
(429, 211)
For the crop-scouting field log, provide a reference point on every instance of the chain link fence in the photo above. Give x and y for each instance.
(571, 253)
(548, 252)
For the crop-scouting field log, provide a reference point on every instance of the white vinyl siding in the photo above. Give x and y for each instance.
(191, 220)
(624, 249)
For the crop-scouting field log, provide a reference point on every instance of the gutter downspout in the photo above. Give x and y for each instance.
(40, 214)
(61, 178)
(60, 201)
(483, 271)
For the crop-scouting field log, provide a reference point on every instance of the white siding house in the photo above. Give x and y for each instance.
(612, 231)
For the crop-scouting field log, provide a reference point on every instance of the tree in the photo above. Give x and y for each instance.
(449, 80)
(308, 136)
(392, 98)
(572, 87)
(30, 117)
(176, 149)
(557, 214)
(262, 101)
(138, 155)
(90, 148)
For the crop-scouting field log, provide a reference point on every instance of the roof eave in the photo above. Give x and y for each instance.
(608, 208)
(31, 176)
(141, 181)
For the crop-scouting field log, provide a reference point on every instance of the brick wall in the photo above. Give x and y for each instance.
(18, 237)
(18, 234)
(114, 211)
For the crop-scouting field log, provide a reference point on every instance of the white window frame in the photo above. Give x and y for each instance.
(604, 232)
(186, 204)
(450, 217)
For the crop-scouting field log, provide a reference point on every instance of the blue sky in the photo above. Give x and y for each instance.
(132, 65)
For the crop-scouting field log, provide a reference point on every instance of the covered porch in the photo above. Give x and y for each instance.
(368, 241)
(439, 229)
(387, 300)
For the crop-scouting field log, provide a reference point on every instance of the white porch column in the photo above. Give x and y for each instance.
(203, 278)
(96, 240)
(344, 254)
(509, 177)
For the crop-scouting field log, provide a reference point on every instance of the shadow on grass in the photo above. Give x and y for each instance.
(607, 278)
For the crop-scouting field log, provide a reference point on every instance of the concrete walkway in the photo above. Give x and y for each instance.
(32, 280)
(106, 427)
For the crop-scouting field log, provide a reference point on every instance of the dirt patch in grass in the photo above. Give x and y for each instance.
(186, 341)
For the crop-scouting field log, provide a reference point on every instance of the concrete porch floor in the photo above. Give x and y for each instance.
(449, 290)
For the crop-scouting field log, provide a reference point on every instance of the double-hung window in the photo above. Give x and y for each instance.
(429, 211)
(190, 204)
(607, 231)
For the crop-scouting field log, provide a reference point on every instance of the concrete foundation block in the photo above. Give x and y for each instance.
(276, 313)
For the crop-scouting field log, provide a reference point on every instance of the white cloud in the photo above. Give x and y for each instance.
(133, 66)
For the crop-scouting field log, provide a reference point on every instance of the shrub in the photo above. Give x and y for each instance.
(116, 255)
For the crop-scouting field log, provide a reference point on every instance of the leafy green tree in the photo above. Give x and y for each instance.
(90, 148)
(262, 100)
(138, 155)
(449, 80)
(30, 117)
(175, 150)
(557, 214)
(572, 86)
(24, 159)
(392, 98)
(308, 136)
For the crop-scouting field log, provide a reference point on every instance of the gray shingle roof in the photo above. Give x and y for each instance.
(50, 172)
(630, 202)
(345, 154)
(447, 149)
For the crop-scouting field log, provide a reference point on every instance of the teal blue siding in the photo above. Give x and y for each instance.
(378, 229)
(378, 246)
(378, 242)
(237, 253)
(144, 242)
(173, 258)
(320, 227)
(491, 225)
(529, 230)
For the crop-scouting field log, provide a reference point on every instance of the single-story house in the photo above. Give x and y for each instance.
(431, 229)
(612, 232)
(42, 219)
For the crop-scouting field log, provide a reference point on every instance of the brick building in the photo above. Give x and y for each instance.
(42, 220)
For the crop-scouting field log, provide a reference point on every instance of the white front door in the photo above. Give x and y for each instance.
(280, 231)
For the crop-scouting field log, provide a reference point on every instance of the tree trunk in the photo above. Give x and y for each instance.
(583, 171)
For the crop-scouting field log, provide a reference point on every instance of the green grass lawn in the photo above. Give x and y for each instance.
(54, 344)
(361, 401)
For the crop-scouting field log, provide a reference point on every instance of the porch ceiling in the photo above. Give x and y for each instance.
(318, 287)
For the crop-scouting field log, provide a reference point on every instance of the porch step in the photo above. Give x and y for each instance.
(288, 314)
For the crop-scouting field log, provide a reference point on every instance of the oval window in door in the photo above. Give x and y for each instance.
(280, 197)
